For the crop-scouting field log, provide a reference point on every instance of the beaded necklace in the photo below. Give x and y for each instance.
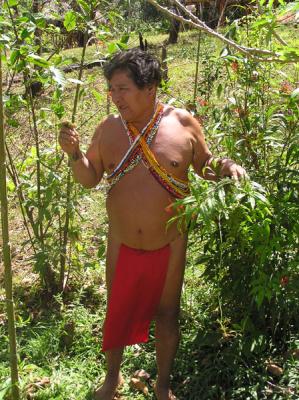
(132, 156)
(140, 151)
(177, 187)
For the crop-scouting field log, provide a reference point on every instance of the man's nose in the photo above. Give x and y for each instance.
(116, 97)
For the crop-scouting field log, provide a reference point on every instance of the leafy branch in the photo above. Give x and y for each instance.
(7, 255)
(256, 54)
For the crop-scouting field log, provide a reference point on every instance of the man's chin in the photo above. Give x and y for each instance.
(126, 114)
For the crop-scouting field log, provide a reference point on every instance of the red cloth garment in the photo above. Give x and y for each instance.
(135, 295)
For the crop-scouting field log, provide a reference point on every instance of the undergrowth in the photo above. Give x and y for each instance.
(59, 339)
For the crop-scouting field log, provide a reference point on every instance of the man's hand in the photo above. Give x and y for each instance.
(228, 168)
(69, 140)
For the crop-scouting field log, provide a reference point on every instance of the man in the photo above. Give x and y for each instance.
(146, 152)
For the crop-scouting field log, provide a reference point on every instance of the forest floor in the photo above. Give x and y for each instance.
(59, 339)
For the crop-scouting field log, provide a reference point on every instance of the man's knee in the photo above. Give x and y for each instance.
(167, 318)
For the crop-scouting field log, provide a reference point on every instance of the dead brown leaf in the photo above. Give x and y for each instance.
(295, 354)
(141, 374)
(274, 369)
(138, 384)
(38, 384)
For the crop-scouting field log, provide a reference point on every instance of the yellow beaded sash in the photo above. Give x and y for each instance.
(141, 151)
(177, 187)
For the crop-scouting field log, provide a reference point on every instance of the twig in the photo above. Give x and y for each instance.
(251, 52)
(69, 182)
(15, 388)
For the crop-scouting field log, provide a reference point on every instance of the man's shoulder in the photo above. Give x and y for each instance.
(106, 125)
(180, 114)
(189, 124)
(110, 121)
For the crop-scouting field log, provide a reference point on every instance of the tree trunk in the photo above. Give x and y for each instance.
(7, 256)
(174, 28)
(222, 8)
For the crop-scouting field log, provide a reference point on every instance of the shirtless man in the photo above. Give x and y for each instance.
(138, 205)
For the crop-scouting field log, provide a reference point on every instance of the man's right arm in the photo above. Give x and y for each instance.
(87, 168)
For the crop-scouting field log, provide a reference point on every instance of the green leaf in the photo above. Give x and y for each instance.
(37, 60)
(4, 389)
(219, 90)
(112, 48)
(85, 7)
(270, 4)
(221, 195)
(14, 56)
(260, 297)
(58, 110)
(12, 122)
(76, 81)
(125, 38)
(4, 39)
(58, 76)
(295, 94)
(25, 33)
(261, 197)
(98, 96)
(289, 54)
(70, 21)
(251, 202)
(12, 3)
(113, 15)
(41, 22)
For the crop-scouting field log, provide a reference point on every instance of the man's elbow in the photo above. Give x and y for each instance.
(88, 184)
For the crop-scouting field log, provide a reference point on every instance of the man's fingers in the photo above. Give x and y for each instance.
(68, 125)
(242, 172)
(67, 136)
(68, 132)
(235, 171)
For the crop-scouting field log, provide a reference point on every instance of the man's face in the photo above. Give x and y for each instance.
(132, 102)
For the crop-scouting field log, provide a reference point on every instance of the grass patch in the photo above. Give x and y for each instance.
(60, 341)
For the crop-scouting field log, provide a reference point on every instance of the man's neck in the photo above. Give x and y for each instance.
(145, 118)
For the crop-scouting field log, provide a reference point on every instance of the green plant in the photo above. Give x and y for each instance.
(48, 215)
(14, 383)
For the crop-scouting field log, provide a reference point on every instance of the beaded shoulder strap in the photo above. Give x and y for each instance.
(177, 187)
(148, 132)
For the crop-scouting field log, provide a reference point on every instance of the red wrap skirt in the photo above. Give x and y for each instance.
(136, 291)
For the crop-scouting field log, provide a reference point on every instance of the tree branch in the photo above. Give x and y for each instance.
(253, 53)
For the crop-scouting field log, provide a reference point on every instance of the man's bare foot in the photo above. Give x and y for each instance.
(164, 393)
(108, 389)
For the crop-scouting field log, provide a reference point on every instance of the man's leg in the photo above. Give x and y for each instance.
(113, 357)
(113, 377)
(167, 326)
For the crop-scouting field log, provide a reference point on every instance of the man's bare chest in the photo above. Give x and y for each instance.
(171, 148)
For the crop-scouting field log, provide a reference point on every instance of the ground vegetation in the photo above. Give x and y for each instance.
(240, 312)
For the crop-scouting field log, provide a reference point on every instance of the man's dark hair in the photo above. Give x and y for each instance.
(142, 67)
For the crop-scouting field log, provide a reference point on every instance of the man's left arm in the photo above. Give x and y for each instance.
(205, 164)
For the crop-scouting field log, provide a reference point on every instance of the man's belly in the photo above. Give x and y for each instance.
(139, 210)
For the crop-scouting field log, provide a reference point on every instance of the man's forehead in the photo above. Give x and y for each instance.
(120, 77)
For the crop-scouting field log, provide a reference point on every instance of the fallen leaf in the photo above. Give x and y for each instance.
(274, 369)
(36, 385)
(141, 374)
(139, 385)
(295, 354)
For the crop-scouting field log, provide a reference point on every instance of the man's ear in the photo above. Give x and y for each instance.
(152, 89)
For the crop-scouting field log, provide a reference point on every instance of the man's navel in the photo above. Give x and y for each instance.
(174, 163)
